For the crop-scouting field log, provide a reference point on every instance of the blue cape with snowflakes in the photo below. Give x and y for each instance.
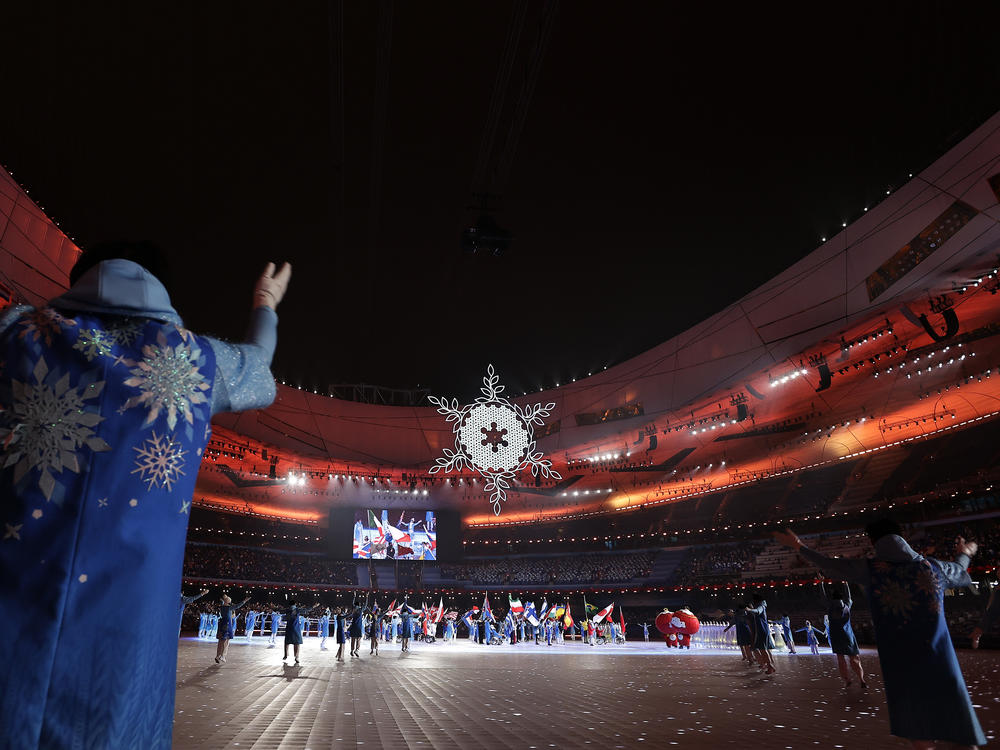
(103, 421)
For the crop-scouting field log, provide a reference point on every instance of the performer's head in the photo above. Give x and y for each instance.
(882, 527)
(143, 252)
(226, 600)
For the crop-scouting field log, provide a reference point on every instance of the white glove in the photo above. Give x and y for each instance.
(271, 286)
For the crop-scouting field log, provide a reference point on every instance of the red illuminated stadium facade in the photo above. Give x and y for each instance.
(820, 381)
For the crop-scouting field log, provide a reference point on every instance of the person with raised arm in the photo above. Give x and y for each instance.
(105, 408)
(227, 618)
(924, 687)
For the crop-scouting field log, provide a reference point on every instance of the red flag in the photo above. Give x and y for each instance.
(621, 619)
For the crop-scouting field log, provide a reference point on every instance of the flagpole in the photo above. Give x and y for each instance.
(586, 617)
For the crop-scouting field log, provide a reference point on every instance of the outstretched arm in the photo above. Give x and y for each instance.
(848, 570)
(243, 371)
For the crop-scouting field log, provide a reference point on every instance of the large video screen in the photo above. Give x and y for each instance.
(395, 535)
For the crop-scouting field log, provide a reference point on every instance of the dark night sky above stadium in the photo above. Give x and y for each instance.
(668, 160)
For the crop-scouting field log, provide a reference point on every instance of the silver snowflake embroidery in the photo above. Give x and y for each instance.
(495, 438)
(47, 425)
(169, 380)
(160, 462)
(43, 323)
(93, 342)
(124, 331)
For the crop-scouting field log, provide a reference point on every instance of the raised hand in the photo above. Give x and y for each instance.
(271, 286)
(966, 548)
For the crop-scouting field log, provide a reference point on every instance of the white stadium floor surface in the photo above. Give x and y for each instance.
(463, 695)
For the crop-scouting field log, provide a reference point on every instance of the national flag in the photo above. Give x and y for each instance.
(401, 550)
(362, 550)
(604, 613)
(544, 611)
(529, 614)
(374, 523)
(568, 619)
(515, 606)
(487, 612)
(621, 619)
(397, 535)
(557, 611)
(392, 607)
(440, 611)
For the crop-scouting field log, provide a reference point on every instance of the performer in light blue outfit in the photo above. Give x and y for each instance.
(202, 618)
(811, 639)
(924, 687)
(251, 623)
(275, 622)
(186, 600)
(105, 401)
(324, 629)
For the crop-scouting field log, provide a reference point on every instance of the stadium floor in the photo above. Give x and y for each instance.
(535, 697)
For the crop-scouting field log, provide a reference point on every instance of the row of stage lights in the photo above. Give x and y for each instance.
(261, 534)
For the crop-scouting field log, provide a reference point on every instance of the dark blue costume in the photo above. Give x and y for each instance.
(924, 686)
(841, 635)
(105, 402)
(341, 628)
(357, 629)
(293, 625)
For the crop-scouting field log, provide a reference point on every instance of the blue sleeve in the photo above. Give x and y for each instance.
(956, 574)
(243, 377)
(847, 570)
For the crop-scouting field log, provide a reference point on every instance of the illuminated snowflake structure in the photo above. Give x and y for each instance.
(169, 380)
(160, 462)
(495, 437)
(47, 426)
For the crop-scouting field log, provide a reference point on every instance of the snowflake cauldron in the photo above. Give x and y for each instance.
(494, 437)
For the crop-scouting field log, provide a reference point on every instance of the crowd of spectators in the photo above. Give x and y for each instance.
(558, 570)
(712, 564)
(220, 562)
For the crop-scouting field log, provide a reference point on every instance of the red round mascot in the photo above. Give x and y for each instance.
(677, 627)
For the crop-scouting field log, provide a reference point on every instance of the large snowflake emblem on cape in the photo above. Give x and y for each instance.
(495, 437)
(48, 424)
(169, 380)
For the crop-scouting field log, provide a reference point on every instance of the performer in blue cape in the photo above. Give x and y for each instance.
(227, 615)
(841, 637)
(406, 629)
(105, 402)
(294, 617)
(186, 600)
(924, 687)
